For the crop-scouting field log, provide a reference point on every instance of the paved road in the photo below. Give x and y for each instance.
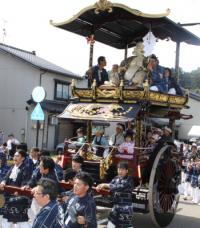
(188, 216)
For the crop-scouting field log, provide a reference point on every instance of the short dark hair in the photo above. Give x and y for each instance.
(153, 56)
(22, 153)
(80, 130)
(85, 178)
(70, 174)
(129, 133)
(169, 70)
(49, 187)
(44, 153)
(100, 59)
(122, 165)
(48, 163)
(78, 159)
(36, 149)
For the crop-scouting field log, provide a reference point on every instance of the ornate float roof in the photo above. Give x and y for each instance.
(118, 25)
(101, 112)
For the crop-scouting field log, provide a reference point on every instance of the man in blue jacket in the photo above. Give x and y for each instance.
(50, 215)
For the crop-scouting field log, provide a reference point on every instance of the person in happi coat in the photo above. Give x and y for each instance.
(98, 72)
(50, 214)
(81, 208)
(16, 207)
(121, 215)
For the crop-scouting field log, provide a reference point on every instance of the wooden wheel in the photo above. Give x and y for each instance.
(163, 186)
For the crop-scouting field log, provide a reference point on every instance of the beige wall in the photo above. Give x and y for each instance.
(17, 82)
(18, 79)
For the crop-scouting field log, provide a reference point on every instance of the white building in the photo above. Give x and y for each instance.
(194, 110)
(20, 72)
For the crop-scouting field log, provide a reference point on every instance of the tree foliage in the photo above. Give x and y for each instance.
(190, 80)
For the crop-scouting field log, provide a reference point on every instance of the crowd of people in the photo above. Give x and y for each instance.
(191, 174)
(160, 78)
(53, 206)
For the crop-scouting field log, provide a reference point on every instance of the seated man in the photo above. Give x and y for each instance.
(98, 72)
(98, 141)
(170, 84)
(118, 137)
(157, 74)
(79, 140)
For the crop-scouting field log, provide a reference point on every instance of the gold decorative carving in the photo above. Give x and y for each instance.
(105, 164)
(108, 93)
(133, 94)
(158, 97)
(83, 93)
(113, 94)
(103, 5)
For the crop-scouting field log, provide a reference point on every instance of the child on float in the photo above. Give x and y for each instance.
(121, 187)
(126, 149)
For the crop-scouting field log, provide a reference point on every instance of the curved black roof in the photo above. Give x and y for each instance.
(118, 25)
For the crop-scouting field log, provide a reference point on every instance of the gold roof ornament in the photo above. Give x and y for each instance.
(103, 5)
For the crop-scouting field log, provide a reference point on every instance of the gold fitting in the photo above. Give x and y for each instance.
(121, 83)
(146, 84)
(94, 84)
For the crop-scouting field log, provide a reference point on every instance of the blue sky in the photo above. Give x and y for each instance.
(27, 27)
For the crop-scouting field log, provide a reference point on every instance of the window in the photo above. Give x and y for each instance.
(61, 90)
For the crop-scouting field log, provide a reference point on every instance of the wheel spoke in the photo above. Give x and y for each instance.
(164, 180)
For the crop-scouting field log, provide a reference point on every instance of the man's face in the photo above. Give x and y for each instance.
(80, 188)
(42, 169)
(40, 198)
(18, 159)
(76, 166)
(118, 130)
(194, 149)
(103, 62)
(153, 62)
(33, 154)
(122, 172)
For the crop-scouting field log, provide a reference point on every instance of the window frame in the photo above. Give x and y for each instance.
(63, 83)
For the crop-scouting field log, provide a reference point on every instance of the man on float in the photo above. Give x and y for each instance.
(118, 138)
(157, 73)
(98, 72)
